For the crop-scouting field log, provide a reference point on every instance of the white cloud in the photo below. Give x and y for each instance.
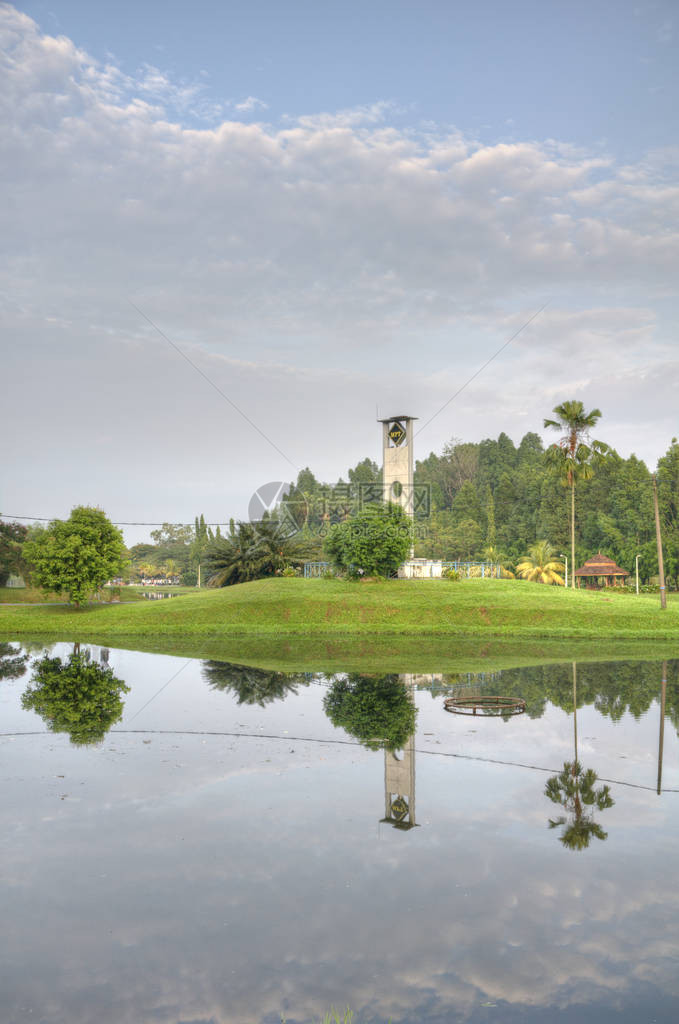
(249, 104)
(366, 262)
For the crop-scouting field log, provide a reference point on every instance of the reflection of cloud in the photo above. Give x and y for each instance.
(251, 894)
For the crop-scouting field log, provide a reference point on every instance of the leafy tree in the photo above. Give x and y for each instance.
(252, 685)
(466, 504)
(490, 517)
(468, 539)
(377, 710)
(76, 556)
(199, 543)
(540, 565)
(575, 453)
(668, 501)
(365, 472)
(299, 506)
(78, 697)
(12, 662)
(12, 538)
(172, 533)
(375, 541)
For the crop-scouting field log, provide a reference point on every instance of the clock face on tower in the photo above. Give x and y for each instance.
(396, 433)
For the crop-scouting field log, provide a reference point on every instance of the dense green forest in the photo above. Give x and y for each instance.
(489, 500)
(493, 499)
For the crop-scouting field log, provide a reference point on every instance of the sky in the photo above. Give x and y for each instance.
(235, 232)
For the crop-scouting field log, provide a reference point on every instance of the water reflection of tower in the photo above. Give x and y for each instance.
(399, 776)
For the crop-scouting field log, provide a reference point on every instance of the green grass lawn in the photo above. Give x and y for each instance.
(274, 620)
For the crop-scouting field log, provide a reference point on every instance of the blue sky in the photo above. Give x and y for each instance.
(327, 208)
(596, 74)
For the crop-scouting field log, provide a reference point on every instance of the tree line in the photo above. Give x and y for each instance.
(490, 500)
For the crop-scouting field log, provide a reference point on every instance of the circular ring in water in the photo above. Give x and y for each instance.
(488, 706)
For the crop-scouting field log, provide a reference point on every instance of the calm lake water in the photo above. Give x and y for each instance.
(226, 854)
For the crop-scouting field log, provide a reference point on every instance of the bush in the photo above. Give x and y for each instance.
(373, 543)
(451, 574)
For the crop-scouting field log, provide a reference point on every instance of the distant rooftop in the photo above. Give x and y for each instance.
(600, 565)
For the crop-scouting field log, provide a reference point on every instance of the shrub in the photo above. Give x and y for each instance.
(451, 574)
(373, 543)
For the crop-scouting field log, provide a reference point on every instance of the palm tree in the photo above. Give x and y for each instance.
(540, 566)
(498, 557)
(575, 452)
(252, 551)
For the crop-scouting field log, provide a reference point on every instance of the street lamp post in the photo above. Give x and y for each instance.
(565, 558)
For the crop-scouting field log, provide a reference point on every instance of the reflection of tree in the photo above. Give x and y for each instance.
(78, 697)
(574, 789)
(377, 710)
(251, 685)
(615, 688)
(12, 662)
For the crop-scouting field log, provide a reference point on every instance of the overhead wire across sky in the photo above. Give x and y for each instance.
(47, 519)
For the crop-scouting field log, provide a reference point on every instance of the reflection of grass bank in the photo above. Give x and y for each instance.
(31, 595)
(387, 654)
(27, 595)
(332, 609)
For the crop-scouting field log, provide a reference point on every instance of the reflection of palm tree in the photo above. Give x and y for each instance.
(574, 789)
(78, 697)
(251, 685)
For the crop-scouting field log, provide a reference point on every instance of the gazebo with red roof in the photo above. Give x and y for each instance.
(600, 571)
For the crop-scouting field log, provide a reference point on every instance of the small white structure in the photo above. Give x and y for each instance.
(421, 569)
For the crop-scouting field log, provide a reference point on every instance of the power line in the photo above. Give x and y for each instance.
(481, 368)
(213, 385)
(339, 743)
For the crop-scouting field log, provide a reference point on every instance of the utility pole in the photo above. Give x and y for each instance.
(661, 567)
(636, 568)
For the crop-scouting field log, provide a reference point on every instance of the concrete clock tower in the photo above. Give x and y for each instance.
(397, 461)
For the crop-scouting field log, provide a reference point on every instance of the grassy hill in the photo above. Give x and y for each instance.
(288, 609)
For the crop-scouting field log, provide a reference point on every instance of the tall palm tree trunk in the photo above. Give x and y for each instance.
(573, 534)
